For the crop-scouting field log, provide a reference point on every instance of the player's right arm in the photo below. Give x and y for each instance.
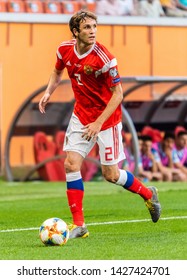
(54, 81)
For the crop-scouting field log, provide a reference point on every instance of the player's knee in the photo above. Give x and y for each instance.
(110, 175)
(70, 166)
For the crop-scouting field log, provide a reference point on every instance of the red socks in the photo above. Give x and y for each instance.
(139, 188)
(75, 196)
(75, 199)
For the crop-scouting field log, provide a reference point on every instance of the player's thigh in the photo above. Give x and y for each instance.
(73, 138)
(110, 145)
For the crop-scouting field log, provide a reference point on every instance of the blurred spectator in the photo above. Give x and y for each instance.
(158, 160)
(88, 5)
(150, 8)
(108, 7)
(148, 168)
(181, 4)
(115, 7)
(128, 7)
(140, 142)
(181, 148)
(171, 9)
(170, 165)
(155, 134)
(179, 129)
(128, 163)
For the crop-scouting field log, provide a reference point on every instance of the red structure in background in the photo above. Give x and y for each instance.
(89, 168)
(45, 149)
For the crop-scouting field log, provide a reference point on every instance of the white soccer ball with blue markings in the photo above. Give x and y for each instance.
(54, 231)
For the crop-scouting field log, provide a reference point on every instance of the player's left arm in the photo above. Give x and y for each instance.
(115, 101)
(92, 129)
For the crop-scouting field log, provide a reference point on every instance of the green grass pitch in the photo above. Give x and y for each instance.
(118, 221)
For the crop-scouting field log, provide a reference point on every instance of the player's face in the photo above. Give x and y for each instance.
(87, 32)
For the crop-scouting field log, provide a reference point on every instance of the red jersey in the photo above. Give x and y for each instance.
(92, 75)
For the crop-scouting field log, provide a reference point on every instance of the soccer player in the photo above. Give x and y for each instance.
(95, 79)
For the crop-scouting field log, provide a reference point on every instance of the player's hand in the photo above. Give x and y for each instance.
(91, 131)
(43, 102)
(150, 156)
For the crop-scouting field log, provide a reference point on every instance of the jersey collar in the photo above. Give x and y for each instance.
(84, 54)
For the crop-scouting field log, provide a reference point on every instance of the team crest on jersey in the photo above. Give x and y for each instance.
(88, 69)
(113, 72)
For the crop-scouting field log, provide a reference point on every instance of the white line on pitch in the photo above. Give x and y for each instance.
(103, 223)
(135, 221)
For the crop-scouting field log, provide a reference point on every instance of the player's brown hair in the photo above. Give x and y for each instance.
(79, 17)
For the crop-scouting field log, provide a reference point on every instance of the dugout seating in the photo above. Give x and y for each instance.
(16, 6)
(70, 7)
(52, 7)
(3, 6)
(34, 6)
(88, 5)
(46, 6)
(43, 150)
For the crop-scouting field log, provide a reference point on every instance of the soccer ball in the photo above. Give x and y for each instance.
(54, 231)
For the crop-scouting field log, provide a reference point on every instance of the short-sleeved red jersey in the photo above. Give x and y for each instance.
(92, 75)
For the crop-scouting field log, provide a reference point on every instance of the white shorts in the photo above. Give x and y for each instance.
(109, 141)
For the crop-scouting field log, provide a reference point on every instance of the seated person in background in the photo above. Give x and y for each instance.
(171, 9)
(108, 7)
(170, 165)
(155, 134)
(181, 148)
(178, 129)
(115, 7)
(150, 8)
(129, 162)
(181, 4)
(148, 169)
(128, 7)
